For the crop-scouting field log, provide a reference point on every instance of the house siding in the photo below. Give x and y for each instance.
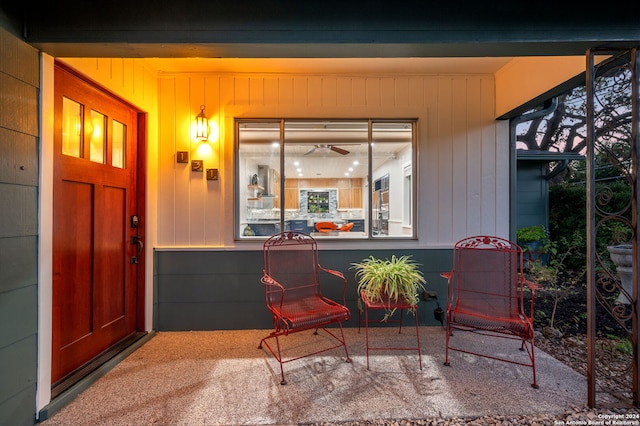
(19, 138)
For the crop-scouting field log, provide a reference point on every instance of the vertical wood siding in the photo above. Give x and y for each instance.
(461, 160)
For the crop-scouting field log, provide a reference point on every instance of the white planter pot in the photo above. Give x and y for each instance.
(621, 255)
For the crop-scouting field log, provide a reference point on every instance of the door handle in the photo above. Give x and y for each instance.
(138, 241)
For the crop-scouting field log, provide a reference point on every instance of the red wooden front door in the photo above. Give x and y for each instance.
(94, 240)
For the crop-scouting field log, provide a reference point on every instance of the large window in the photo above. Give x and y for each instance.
(327, 178)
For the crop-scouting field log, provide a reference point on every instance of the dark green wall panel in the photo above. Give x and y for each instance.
(209, 288)
(18, 410)
(22, 218)
(18, 362)
(221, 290)
(19, 154)
(18, 308)
(18, 262)
(213, 316)
(532, 196)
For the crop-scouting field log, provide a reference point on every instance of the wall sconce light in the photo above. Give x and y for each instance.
(202, 125)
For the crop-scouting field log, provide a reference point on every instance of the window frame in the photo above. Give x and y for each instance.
(240, 187)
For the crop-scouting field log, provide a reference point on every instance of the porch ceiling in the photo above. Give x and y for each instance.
(328, 29)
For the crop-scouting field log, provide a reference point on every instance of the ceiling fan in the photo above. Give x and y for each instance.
(329, 147)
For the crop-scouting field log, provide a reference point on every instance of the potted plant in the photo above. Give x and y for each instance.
(387, 280)
(534, 241)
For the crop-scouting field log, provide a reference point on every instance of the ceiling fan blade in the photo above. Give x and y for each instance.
(338, 150)
(311, 151)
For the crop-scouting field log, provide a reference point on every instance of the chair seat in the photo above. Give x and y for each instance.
(516, 326)
(311, 312)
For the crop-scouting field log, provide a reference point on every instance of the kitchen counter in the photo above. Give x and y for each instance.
(265, 227)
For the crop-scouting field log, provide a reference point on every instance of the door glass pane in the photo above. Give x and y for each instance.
(97, 137)
(71, 128)
(118, 143)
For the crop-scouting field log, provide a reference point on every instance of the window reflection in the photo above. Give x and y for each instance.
(118, 144)
(97, 137)
(71, 128)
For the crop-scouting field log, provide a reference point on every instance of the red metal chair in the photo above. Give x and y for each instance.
(485, 294)
(292, 290)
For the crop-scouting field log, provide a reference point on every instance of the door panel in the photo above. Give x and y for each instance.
(110, 261)
(94, 196)
(76, 308)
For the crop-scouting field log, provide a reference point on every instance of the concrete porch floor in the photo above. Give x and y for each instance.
(221, 378)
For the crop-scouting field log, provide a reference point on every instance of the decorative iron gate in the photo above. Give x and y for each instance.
(612, 286)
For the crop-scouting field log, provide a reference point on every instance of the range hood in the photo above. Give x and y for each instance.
(265, 179)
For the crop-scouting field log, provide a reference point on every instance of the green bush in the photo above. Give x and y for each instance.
(567, 215)
(532, 233)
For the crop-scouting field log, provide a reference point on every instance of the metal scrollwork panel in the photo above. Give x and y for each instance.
(611, 186)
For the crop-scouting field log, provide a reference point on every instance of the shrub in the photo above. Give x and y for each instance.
(532, 233)
(567, 215)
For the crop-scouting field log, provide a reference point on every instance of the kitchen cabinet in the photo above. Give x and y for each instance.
(356, 197)
(349, 191)
(291, 198)
(358, 225)
(296, 225)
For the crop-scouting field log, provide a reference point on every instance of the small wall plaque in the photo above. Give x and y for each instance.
(197, 166)
(182, 157)
(212, 174)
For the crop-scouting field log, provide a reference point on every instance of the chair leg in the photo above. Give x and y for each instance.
(284, 381)
(532, 356)
(344, 342)
(366, 332)
(277, 356)
(446, 351)
(418, 338)
(529, 346)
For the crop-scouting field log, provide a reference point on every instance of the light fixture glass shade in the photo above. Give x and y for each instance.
(202, 125)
